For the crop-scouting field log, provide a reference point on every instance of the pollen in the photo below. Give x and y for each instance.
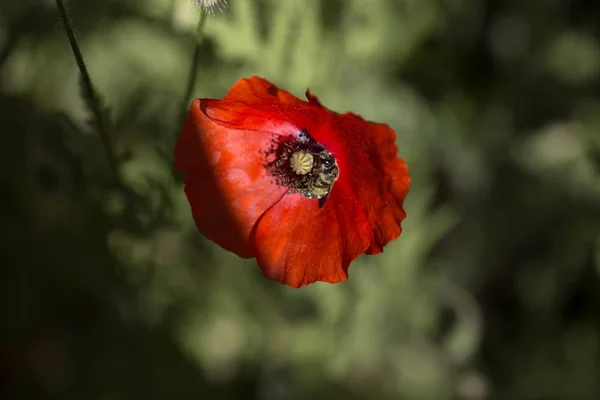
(301, 162)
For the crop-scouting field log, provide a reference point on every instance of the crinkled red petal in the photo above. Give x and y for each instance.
(227, 185)
(378, 178)
(297, 243)
(257, 91)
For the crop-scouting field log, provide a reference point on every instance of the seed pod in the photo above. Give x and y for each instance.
(301, 162)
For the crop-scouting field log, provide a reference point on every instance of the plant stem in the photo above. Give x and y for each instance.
(193, 73)
(91, 94)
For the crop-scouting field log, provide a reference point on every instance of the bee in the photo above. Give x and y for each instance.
(321, 171)
(327, 172)
(304, 166)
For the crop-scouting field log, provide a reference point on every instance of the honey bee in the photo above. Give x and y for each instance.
(323, 170)
(306, 167)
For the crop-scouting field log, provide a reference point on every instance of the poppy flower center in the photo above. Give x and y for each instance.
(304, 166)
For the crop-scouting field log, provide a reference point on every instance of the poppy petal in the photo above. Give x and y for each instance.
(256, 90)
(297, 243)
(226, 183)
(371, 170)
(312, 99)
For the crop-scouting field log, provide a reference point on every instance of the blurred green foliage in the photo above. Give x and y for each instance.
(492, 291)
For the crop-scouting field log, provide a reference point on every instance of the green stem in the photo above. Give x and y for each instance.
(193, 73)
(95, 104)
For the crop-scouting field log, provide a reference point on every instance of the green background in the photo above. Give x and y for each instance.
(491, 292)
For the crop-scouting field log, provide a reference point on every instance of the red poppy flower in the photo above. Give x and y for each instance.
(303, 189)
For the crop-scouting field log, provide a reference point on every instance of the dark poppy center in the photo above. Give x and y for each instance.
(304, 166)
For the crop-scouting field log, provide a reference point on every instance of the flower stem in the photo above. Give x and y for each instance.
(90, 92)
(193, 73)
